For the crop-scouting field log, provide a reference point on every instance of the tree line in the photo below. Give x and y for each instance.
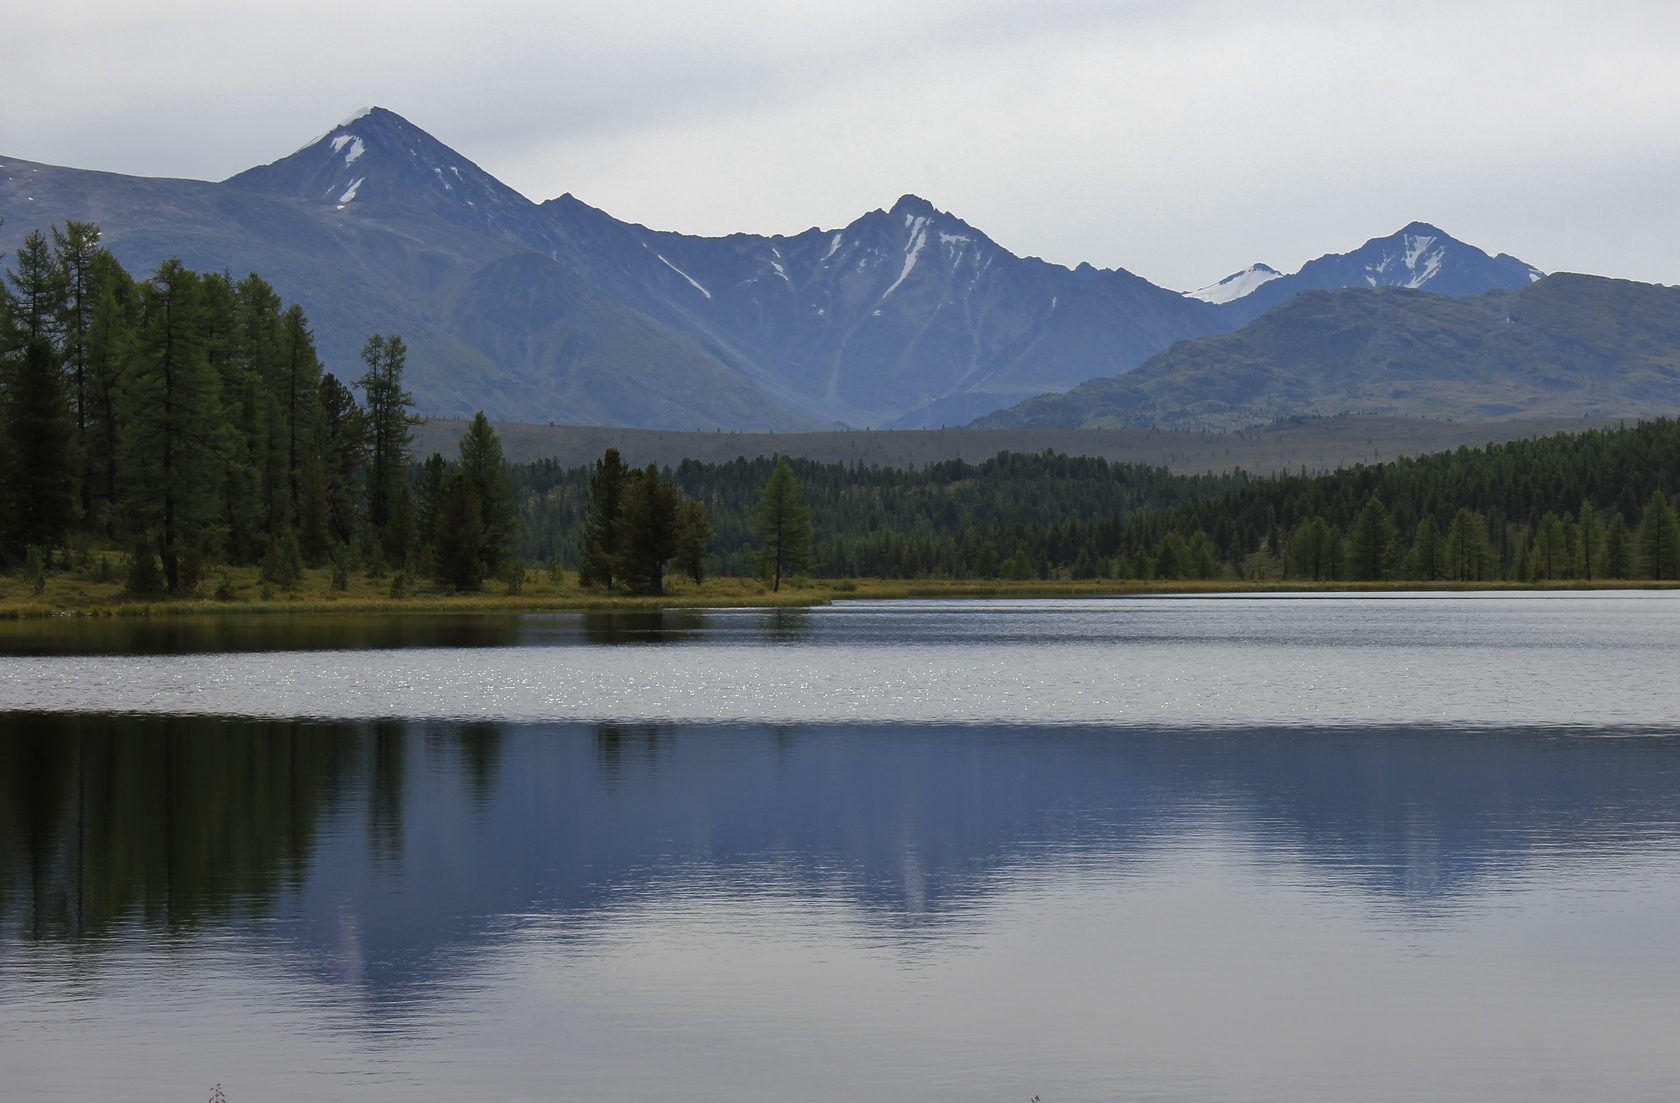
(186, 418)
(1592, 505)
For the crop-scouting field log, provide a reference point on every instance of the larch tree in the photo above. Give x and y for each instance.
(601, 536)
(1372, 541)
(783, 526)
(649, 530)
(1658, 539)
(483, 467)
(172, 398)
(389, 420)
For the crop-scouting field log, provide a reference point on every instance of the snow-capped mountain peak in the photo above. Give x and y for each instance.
(376, 159)
(1236, 285)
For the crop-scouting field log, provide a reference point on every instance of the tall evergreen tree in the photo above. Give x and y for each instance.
(299, 386)
(1658, 539)
(649, 530)
(601, 535)
(1549, 557)
(460, 534)
(784, 526)
(38, 292)
(172, 396)
(1372, 541)
(1587, 538)
(1428, 552)
(1313, 553)
(341, 443)
(39, 490)
(112, 344)
(694, 535)
(483, 466)
(1618, 557)
(390, 419)
(1468, 558)
(77, 253)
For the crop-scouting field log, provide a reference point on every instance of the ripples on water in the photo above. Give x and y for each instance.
(1394, 848)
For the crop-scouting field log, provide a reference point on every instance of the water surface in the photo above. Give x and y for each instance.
(1256, 849)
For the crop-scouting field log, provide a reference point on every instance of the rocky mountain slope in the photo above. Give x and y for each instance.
(557, 311)
(1564, 346)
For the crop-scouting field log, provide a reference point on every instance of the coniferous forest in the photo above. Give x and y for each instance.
(1593, 505)
(184, 421)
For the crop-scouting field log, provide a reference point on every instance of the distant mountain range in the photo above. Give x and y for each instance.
(1565, 346)
(558, 311)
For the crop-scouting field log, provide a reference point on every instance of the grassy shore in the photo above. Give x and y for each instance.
(239, 590)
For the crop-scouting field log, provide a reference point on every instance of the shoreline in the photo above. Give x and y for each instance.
(739, 594)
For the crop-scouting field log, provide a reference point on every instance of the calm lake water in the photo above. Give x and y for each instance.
(1307, 848)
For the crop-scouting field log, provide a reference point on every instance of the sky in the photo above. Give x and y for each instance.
(1179, 139)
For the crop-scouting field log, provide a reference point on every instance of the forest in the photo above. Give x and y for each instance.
(1591, 505)
(184, 421)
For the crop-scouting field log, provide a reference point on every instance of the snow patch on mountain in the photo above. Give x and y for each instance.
(350, 192)
(1236, 285)
(917, 225)
(684, 275)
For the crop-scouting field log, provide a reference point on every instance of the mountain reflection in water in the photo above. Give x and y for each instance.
(377, 847)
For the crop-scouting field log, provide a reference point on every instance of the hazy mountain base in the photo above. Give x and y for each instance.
(1315, 444)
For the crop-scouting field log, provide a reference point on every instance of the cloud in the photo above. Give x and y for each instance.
(1182, 140)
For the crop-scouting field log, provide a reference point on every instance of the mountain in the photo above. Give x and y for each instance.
(1566, 345)
(1419, 257)
(908, 316)
(1236, 285)
(377, 227)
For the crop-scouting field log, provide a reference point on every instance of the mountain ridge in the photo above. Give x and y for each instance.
(1565, 345)
(906, 316)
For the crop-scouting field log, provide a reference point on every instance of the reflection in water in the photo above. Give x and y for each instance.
(644, 626)
(175, 822)
(639, 911)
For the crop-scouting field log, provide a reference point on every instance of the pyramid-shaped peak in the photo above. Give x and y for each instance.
(376, 158)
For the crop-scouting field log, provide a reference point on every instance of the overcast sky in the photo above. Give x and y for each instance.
(1181, 139)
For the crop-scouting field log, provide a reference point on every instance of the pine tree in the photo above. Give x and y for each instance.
(1549, 557)
(694, 535)
(601, 536)
(1618, 555)
(76, 252)
(389, 420)
(1313, 553)
(649, 530)
(1658, 539)
(1372, 541)
(38, 290)
(171, 395)
(39, 490)
(299, 383)
(111, 351)
(1428, 553)
(341, 443)
(483, 466)
(1587, 539)
(783, 526)
(1467, 547)
(460, 534)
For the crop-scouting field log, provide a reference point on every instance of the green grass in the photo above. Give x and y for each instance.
(81, 593)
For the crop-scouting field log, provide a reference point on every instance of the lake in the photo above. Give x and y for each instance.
(1384, 847)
